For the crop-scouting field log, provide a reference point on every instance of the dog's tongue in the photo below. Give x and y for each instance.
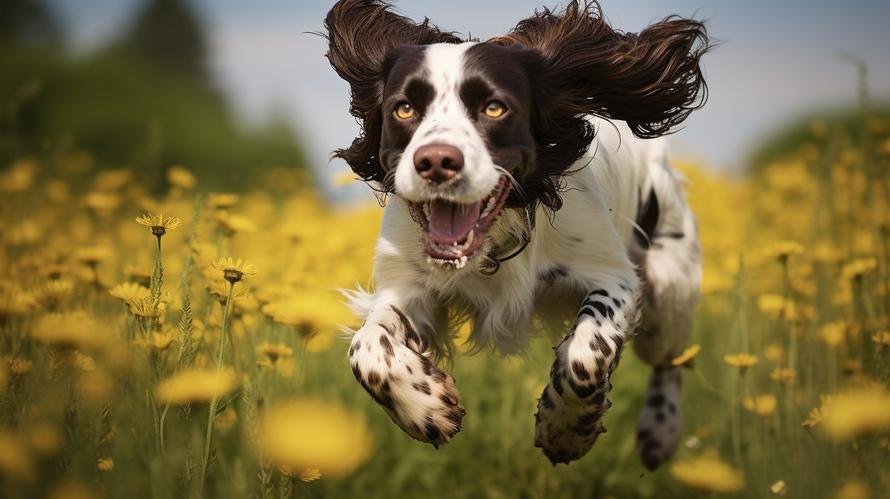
(450, 222)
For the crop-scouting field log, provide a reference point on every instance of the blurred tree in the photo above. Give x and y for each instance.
(28, 22)
(169, 34)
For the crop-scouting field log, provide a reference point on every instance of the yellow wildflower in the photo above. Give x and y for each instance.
(158, 224)
(234, 224)
(102, 202)
(93, 255)
(783, 374)
(312, 433)
(234, 270)
(130, 292)
(219, 289)
(145, 308)
(15, 458)
(741, 360)
(112, 180)
(708, 473)
(779, 488)
(20, 176)
(274, 351)
(51, 295)
(856, 269)
(45, 439)
(853, 490)
(833, 333)
(195, 385)
(774, 352)
(686, 358)
(881, 338)
(857, 411)
(105, 464)
(308, 311)
(69, 330)
(221, 201)
(762, 405)
(310, 475)
(782, 250)
(180, 177)
(18, 366)
(226, 419)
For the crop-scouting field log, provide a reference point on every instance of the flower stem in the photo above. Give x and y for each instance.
(214, 401)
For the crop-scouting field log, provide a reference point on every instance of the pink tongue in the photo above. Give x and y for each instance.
(450, 222)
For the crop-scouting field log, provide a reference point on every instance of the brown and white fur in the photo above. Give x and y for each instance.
(526, 142)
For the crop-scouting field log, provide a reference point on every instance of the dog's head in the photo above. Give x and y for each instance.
(461, 130)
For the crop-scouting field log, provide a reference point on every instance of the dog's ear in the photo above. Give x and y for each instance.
(362, 35)
(651, 80)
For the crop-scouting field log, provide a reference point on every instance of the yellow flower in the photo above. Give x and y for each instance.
(51, 295)
(762, 405)
(778, 307)
(774, 352)
(311, 433)
(856, 269)
(882, 338)
(686, 358)
(779, 488)
(93, 255)
(708, 473)
(20, 176)
(856, 412)
(145, 308)
(102, 202)
(274, 351)
(853, 490)
(18, 366)
(221, 201)
(782, 250)
(783, 374)
(219, 289)
(158, 224)
(234, 270)
(308, 311)
(225, 419)
(112, 180)
(741, 360)
(105, 464)
(129, 292)
(310, 475)
(180, 177)
(195, 385)
(15, 457)
(233, 224)
(833, 333)
(69, 330)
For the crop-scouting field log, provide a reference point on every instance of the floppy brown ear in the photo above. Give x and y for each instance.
(361, 35)
(651, 80)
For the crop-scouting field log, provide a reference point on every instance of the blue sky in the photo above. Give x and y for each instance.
(777, 60)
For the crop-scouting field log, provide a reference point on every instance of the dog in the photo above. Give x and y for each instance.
(528, 181)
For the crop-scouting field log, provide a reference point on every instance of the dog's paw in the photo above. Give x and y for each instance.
(419, 397)
(564, 431)
(661, 419)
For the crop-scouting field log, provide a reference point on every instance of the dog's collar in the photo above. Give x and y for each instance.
(496, 261)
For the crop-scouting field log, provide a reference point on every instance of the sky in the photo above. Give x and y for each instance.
(777, 60)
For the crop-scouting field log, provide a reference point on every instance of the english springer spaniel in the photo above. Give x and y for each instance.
(515, 198)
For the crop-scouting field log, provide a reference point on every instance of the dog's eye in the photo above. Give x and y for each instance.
(495, 109)
(404, 111)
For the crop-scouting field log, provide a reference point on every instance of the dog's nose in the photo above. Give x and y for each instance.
(438, 163)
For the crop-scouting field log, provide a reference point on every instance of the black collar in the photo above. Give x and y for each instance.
(496, 261)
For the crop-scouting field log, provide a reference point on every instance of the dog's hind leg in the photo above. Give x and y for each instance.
(669, 258)
(391, 359)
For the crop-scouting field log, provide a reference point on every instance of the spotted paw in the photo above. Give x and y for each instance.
(419, 397)
(658, 430)
(566, 431)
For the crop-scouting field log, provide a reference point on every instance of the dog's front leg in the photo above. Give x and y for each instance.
(392, 361)
(571, 408)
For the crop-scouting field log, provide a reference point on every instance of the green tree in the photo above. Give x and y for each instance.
(168, 33)
(28, 22)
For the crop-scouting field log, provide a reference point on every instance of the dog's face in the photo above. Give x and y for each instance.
(461, 130)
(456, 128)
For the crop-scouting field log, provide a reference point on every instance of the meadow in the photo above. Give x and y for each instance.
(187, 344)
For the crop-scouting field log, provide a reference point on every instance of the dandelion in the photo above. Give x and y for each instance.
(234, 270)
(783, 374)
(783, 250)
(762, 405)
(859, 268)
(233, 224)
(102, 203)
(129, 292)
(158, 224)
(308, 312)
(856, 412)
(69, 330)
(708, 473)
(686, 358)
(833, 333)
(311, 433)
(741, 360)
(18, 366)
(195, 385)
(310, 474)
(274, 351)
(779, 488)
(181, 178)
(147, 309)
(881, 338)
(222, 201)
(774, 353)
(53, 294)
(105, 464)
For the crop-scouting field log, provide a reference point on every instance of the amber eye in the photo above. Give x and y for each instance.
(404, 111)
(495, 109)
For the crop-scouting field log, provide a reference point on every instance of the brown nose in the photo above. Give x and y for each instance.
(438, 163)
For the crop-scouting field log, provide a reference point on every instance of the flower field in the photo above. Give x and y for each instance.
(181, 343)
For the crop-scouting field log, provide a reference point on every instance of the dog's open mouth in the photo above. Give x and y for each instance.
(453, 232)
